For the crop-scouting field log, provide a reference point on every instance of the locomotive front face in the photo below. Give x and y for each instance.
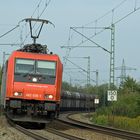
(33, 84)
(35, 79)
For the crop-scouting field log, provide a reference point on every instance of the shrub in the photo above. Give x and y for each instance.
(131, 124)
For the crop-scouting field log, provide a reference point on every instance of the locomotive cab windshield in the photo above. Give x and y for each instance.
(39, 71)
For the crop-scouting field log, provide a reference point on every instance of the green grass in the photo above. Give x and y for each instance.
(121, 122)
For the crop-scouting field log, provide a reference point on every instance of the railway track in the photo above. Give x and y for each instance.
(64, 135)
(37, 135)
(65, 118)
(26, 131)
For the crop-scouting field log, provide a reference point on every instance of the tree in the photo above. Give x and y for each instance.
(129, 85)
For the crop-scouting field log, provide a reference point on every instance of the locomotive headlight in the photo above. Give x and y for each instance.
(49, 96)
(34, 79)
(17, 94)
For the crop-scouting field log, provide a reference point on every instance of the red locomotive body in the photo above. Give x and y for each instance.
(31, 86)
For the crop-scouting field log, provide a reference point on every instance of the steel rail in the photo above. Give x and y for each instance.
(102, 129)
(39, 137)
(64, 135)
(29, 133)
(26, 132)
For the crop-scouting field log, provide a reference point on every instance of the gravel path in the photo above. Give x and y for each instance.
(9, 133)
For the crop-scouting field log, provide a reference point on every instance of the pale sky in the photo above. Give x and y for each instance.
(74, 13)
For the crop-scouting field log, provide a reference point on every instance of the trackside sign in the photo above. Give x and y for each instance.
(112, 95)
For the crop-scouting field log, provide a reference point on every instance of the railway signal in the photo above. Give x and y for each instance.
(112, 95)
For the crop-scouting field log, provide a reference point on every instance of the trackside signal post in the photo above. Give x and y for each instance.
(112, 96)
(96, 102)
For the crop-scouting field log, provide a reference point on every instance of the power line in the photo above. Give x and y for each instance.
(26, 36)
(127, 15)
(9, 31)
(135, 9)
(123, 69)
(90, 40)
(83, 70)
(110, 11)
(11, 44)
(112, 27)
(36, 8)
(46, 5)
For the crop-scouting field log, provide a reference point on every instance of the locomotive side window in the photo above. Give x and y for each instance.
(24, 66)
(46, 68)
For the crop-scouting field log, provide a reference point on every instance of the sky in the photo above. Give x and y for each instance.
(77, 13)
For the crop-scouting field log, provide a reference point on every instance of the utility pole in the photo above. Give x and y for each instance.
(123, 69)
(4, 57)
(97, 77)
(88, 68)
(112, 58)
(111, 52)
(88, 71)
(83, 70)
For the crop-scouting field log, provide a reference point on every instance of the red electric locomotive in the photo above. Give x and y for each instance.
(31, 83)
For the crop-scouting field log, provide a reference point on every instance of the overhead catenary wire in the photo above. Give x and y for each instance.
(112, 10)
(110, 26)
(97, 33)
(36, 7)
(9, 31)
(126, 15)
(26, 36)
(25, 23)
(91, 40)
(122, 18)
(107, 13)
(83, 70)
(135, 4)
(46, 4)
(102, 30)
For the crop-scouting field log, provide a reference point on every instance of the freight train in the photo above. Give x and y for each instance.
(31, 85)
(75, 101)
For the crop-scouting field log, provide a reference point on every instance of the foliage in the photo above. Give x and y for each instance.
(129, 85)
(127, 105)
(100, 120)
(86, 89)
(131, 124)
